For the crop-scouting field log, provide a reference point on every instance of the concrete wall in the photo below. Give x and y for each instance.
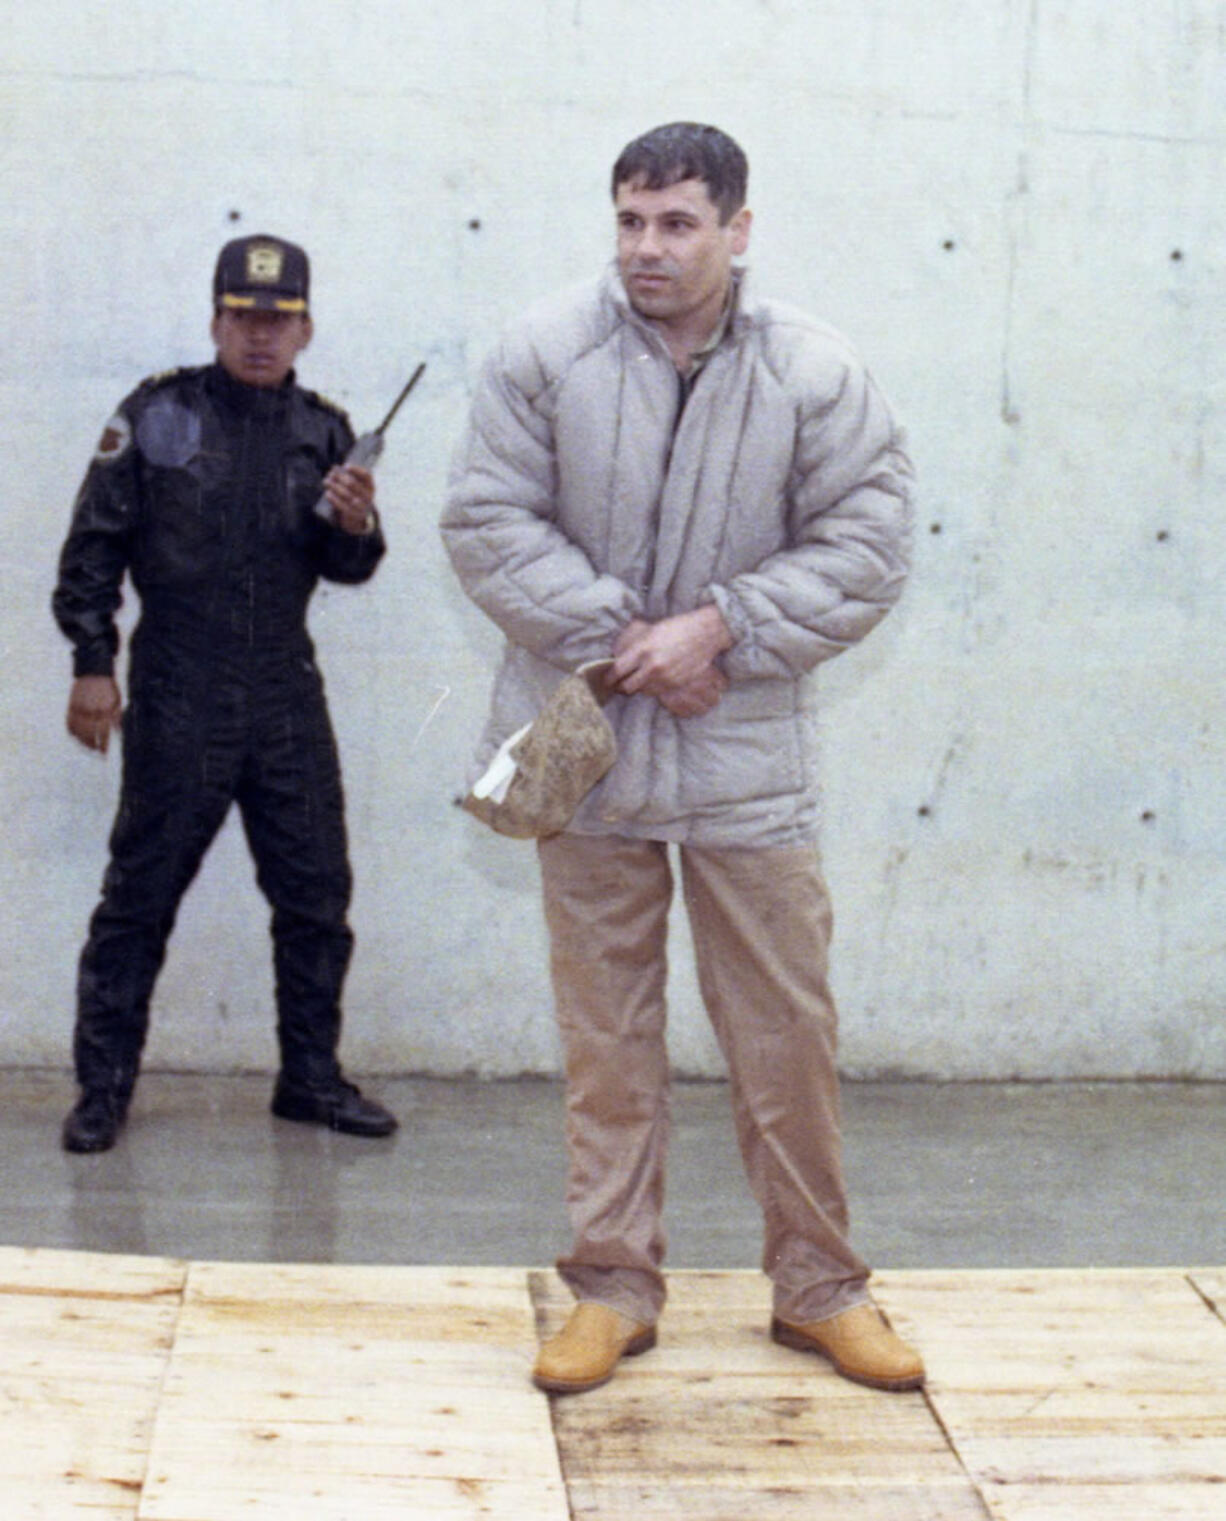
(1016, 209)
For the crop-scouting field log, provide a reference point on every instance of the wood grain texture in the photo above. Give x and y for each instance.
(84, 1343)
(1075, 1393)
(137, 1389)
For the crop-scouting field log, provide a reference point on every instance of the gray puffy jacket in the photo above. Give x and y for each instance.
(579, 500)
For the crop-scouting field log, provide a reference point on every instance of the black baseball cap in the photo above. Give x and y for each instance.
(264, 272)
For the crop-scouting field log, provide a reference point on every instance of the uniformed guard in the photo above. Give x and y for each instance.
(202, 492)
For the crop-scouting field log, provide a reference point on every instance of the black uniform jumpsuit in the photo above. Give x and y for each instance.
(203, 491)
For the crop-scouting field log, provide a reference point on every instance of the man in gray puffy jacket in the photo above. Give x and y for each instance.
(710, 489)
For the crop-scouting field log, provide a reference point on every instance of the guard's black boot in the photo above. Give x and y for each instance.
(95, 1120)
(333, 1102)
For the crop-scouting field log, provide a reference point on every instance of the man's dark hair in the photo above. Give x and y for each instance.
(687, 150)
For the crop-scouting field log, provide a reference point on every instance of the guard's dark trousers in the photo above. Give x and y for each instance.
(262, 739)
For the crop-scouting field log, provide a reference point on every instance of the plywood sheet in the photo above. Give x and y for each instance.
(1072, 1393)
(1107, 1502)
(136, 1389)
(92, 1275)
(341, 1393)
(1211, 1283)
(720, 1423)
(86, 1339)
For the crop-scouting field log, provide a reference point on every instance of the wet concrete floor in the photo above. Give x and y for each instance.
(969, 1175)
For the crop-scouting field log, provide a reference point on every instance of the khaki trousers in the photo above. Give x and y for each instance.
(761, 923)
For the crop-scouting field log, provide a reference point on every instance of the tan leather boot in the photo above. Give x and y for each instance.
(860, 1345)
(587, 1350)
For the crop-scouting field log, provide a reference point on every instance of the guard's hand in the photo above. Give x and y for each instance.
(350, 490)
(657, 659)
(94, 709)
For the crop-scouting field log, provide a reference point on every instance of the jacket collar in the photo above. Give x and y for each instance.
(735, 320)
(248, 401)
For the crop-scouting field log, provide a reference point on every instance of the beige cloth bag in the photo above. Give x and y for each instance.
(544, 771)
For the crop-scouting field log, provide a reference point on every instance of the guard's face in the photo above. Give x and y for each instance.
(257, 347)
(674, 255)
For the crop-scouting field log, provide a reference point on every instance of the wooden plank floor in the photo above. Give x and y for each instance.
(137, 1389)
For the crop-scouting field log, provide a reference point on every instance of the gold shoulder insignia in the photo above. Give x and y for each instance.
(163, 377)
(327, 404)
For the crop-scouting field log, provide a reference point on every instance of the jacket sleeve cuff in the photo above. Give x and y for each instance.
(730, 610)
(93, 662)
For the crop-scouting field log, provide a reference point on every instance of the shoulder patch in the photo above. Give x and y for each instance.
(116, 437)
(326, 403)
(164, 377)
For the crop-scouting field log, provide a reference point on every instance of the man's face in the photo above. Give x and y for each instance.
(674, 255)
(257, 347)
